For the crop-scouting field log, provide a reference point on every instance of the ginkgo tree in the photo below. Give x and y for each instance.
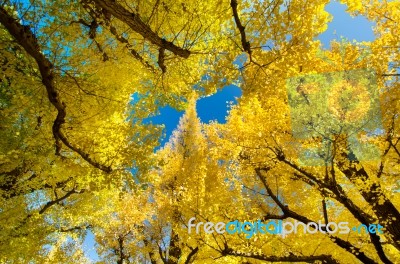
(314, 136)
(77, 80)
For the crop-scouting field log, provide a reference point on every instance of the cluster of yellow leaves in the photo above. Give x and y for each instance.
(207, 171)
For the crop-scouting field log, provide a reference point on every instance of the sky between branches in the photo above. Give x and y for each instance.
(215, 107)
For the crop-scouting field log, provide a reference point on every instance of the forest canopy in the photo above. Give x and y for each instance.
(314, 138)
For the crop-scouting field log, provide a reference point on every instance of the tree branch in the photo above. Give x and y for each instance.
(192, 253)
(129, 47)
(374, 195)
(355, 251)
(134, 21)
(24, 36)
(245, 43)
(290, 258)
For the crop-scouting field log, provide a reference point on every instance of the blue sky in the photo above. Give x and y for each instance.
(212, 108)
(215, 107)
(357, 28)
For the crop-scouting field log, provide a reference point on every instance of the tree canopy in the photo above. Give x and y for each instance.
(314, 138)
